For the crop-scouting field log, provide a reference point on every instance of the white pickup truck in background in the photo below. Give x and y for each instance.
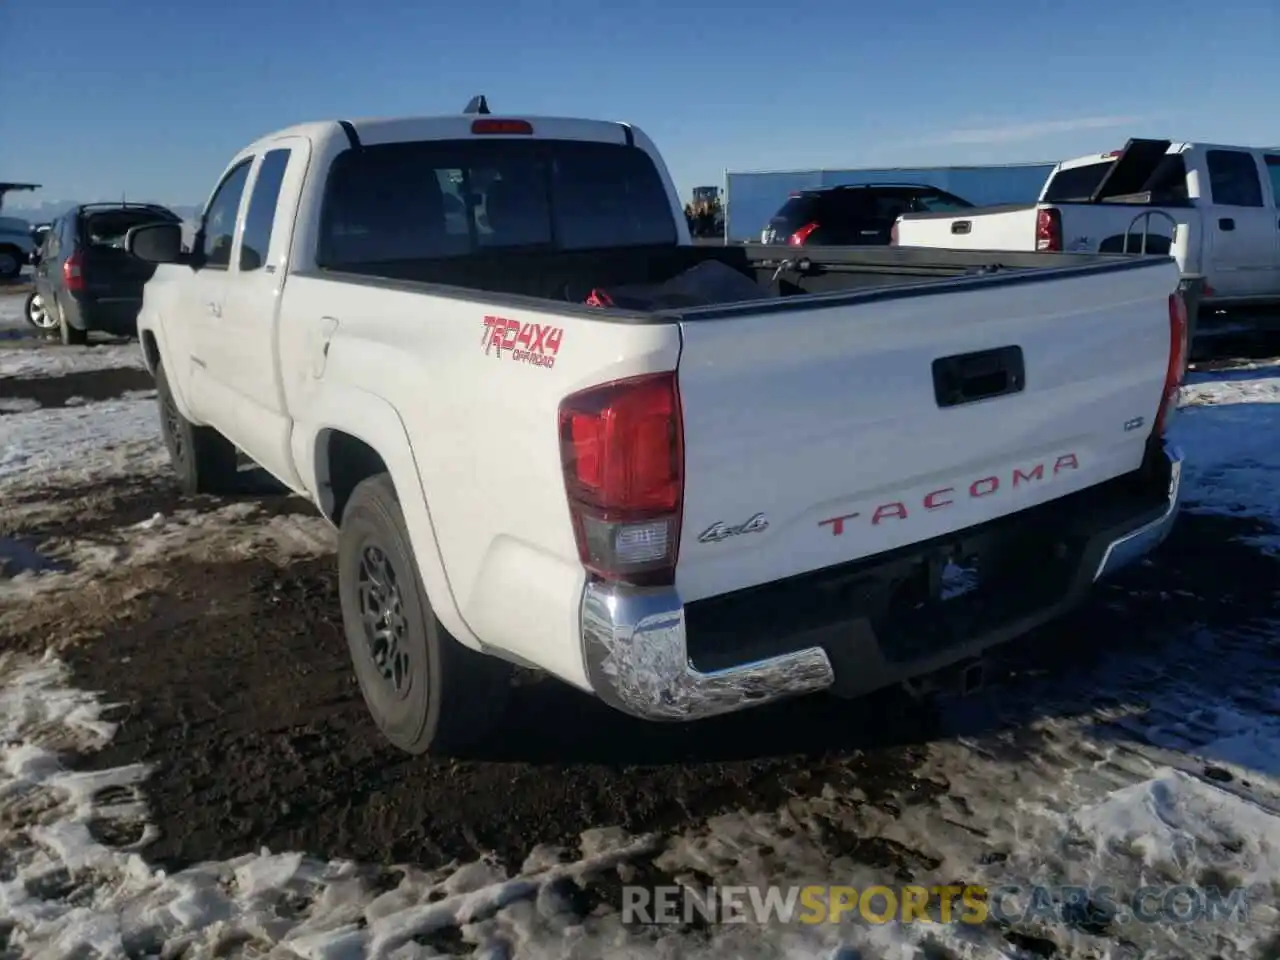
(1215, 209)
(860, 467)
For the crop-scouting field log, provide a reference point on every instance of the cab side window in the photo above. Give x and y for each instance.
(1273, 171)
(255, 242)
(1233, 178)
(218, 228)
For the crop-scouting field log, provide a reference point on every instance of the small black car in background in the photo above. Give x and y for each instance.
(85, 280)
(853, 215)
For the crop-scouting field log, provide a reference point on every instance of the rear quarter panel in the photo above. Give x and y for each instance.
(1101, 227)
(483, 428)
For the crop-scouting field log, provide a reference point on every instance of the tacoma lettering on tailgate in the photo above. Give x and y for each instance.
(946, 496)
(532, 343)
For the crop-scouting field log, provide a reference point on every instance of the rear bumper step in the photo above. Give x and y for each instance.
(650, 655)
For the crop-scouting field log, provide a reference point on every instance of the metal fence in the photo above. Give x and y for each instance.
(751, 198)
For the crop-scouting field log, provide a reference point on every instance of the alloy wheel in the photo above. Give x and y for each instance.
(40, 315)
(382, 615)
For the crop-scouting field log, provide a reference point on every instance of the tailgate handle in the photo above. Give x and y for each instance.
(961, 226)
(970, 377)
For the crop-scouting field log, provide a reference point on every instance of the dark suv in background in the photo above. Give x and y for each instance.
(857, 214)
(85, 280)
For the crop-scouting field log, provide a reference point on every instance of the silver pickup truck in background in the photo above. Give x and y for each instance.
(1215, 209)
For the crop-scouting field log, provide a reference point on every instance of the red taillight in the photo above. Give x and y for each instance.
(798, 238)
(893, 234)
(1049, 229)
(622, 449)
(1177, 368)
(71, 273)
(501, 126)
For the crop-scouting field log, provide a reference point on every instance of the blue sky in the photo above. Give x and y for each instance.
(743, 85)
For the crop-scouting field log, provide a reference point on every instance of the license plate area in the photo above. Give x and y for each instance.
(943, 576)
(966, 589)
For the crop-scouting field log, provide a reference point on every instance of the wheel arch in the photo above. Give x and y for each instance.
(150, 350)
(154, 355)
(357, 435)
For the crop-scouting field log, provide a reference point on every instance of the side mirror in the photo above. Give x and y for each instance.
(156, 243)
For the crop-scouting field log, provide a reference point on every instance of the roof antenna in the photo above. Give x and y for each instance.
(477, 104)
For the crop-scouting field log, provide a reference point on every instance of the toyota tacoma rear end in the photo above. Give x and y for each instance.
(551, 431)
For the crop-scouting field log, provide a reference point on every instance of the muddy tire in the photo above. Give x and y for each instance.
(425, 690)
(70, 336)
(203, 459)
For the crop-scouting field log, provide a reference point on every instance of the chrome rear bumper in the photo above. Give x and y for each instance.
(1138, 543)
(637, 659)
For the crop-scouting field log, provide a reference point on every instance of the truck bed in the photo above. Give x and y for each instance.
(566, 278)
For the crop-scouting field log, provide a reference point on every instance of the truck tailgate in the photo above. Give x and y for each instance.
(988, 228)
(815, 435)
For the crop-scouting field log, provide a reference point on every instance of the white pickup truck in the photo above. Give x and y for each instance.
(1216, 209)
(875, 467)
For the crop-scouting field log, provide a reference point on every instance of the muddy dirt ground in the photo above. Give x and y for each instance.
(233, 680)
(88, 385)
(238, 686)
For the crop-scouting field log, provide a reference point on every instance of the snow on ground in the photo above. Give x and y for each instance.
(1114, 799)
(55, 362)
(26, 355)
(11, 306)
(1228, 426)
(229, 533)
(18, 405)
(1092, 811)
(66, 444)
(121, 906)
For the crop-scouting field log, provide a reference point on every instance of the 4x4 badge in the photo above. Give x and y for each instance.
(723, 531)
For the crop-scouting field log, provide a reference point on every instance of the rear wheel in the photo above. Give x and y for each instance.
(39, 315)
(425, 690)
(203, 459)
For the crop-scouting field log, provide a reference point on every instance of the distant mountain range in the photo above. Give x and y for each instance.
(50, 209)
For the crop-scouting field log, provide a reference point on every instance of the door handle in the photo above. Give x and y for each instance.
(961, 226)
(1226, 223)
(214, 310)
(969, 377)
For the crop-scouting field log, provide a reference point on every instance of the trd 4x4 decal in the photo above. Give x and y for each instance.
(533, 343)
